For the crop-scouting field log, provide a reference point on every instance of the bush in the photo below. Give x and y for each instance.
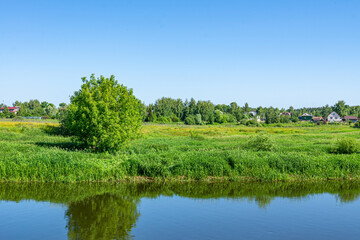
(229, 118)
(103, 115)
(175, 119)
(261, 142)
(251, 123)
(190, 120)
(198, 119)
(357, 125)
(17, 119)
(163, 119)
(294, 119)
(243, 121)
(345, 146)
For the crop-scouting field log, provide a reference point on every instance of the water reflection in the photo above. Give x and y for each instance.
(107, 216)
(110, 211)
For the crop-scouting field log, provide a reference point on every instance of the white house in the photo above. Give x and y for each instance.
(253, 113)
(334, 117)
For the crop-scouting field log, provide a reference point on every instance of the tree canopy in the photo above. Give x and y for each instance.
(103, 114)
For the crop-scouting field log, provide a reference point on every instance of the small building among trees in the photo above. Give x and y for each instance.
(306, 117)
(353, 119)
(11, 109)
(334, 117)
(318, 120)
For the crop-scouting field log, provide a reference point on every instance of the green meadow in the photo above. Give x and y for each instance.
(32, 151)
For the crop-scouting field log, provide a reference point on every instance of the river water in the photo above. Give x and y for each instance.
(323, 210)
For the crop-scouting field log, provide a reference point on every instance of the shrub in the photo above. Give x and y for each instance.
(163, 119)
(103, 115)
(175, 119)
(190, 120)
(294, 119)
(251, 123)
(261, 142)
(243, 121)
(357, 125)
(229, 118)
(345, 146)
(17, 119)
(198, 119)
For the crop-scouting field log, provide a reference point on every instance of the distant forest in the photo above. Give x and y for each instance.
(167, 110)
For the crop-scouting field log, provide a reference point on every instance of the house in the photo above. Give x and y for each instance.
(334, 117)
(317, 119)
(11, 109)
(350, 118)
(306, 117)
(257, 118)
(285, 114)
(253, 113)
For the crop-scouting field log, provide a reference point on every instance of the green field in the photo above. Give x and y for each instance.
(179, 152)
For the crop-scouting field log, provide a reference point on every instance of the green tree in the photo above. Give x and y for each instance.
(150, 115)
(246, 108)
(219, 117)
(6, 112)
(206, 109)
(103, 114)
(62, 105)
(16, 103)
(142, 111)
(340, 108)
(44, 104)
(51, 110)
(272, 116)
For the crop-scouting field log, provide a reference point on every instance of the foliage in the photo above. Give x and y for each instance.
(345, 146)
(219, 117)
(103, 114)
(51, 110)
(198, 120)
(190, 120)
(261, 142)
(163, 119)
(357, 124)
(167, 152)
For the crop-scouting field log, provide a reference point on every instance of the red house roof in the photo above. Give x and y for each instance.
(317, 119)
(350, 118)
(11, 109)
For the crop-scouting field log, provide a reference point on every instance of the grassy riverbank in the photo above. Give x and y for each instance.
(179, 152)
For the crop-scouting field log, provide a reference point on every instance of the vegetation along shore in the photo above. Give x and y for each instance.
(32, 151)
(101, 136)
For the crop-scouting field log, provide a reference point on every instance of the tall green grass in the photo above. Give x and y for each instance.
(171, 152)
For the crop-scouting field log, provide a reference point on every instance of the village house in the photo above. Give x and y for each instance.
(317, 119)
(285, 114)
(306, 117)
(253, 113)
(11, 109)
(334, 117)
(350, 118)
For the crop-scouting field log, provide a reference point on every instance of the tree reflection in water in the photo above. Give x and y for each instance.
(107, 216)
(110, 211)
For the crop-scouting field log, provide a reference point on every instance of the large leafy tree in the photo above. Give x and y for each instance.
(103, 114)
(340, 108)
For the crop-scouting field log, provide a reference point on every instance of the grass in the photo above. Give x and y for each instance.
(180, 152)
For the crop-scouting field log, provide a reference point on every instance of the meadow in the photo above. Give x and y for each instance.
(31, 151)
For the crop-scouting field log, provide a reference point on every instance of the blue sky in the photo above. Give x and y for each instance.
(268, 53)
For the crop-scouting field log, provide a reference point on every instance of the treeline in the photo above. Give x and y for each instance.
(33, 108)
(167, 110)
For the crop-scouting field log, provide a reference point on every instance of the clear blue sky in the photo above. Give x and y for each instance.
(268, 53)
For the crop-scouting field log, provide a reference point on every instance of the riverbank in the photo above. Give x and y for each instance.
(179, 153)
